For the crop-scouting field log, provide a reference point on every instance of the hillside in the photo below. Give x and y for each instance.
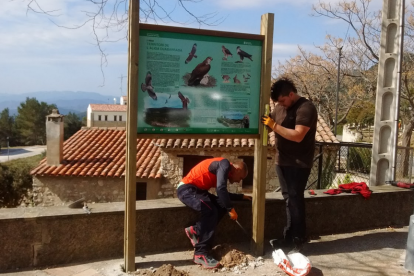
(66, 101)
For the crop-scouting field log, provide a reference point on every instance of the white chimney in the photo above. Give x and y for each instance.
(54, 138)
(114, 100)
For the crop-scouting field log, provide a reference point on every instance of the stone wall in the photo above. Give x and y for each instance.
(172, 170)
(62, 190)
(40, 236)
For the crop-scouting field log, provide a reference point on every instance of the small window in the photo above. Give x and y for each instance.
(99, 118)
(120, 118)
(115, 118)
(141, 193)
(189, 161)
(247, 183)
(106, 117)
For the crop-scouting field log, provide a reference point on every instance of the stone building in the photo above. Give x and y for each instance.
(106, 115)
(91, 164)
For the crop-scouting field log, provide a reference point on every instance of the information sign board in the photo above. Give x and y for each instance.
(198, 84)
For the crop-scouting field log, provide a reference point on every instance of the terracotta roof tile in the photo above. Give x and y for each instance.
(199, 143)
(207, 143)
(109, 107)
(101, 152)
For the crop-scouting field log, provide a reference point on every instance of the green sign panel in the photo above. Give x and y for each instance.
(197, 84)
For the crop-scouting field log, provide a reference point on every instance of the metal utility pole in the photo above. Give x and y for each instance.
(8, 150)
(337, 89)
(122, 79)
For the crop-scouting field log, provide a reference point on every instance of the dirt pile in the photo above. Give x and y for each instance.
(235, 260)
(164, 270)
(228, 256)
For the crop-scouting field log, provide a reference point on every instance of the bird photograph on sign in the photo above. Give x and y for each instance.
(235, 79)
(242, 54)
(192, 54)
(225, 78)
(226, 52)
(147, 86)
(199, 72)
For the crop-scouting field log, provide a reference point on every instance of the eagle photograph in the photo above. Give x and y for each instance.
(199, 71)
(242, 54)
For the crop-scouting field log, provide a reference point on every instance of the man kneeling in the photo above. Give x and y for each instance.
(193, 192)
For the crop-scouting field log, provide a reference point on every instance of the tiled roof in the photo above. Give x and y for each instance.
(101, 152)
(109, 107)
(323, 134)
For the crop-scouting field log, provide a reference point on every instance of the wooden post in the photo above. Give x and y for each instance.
(131, 138)
(260, 151)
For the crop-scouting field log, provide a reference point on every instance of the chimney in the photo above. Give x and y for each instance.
(54, 138)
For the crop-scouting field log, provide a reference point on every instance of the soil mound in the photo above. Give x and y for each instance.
(164, 270)
(228, 256)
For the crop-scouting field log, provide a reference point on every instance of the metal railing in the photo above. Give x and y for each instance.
(344, 162)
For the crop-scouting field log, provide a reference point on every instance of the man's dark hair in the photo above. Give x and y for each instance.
(243, 166)
(282, 87)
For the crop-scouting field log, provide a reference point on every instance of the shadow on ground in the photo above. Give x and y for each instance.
(366, 242)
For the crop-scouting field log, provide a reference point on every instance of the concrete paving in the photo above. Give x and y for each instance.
(365, 253)
(22, 152)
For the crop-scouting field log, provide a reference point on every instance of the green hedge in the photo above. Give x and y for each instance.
(16, 181)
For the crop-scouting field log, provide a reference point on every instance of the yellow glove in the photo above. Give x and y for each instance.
(266, 120)
(246, 197)
(233, 214)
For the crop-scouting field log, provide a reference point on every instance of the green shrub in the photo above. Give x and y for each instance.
(16, 181)
(347, 179)
(6, 186)
(359, 160)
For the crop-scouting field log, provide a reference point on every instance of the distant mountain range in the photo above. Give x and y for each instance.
(66, 101)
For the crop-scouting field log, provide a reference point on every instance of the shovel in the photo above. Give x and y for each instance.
(244, 230)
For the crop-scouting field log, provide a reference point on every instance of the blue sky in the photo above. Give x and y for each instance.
(36, 55)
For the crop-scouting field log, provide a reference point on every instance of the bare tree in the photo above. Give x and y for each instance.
(365, 47)
(316, 78)
(317, 73)
(108, 19)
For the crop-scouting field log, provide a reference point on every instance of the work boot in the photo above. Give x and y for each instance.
(192, 235)
(298, 245)
(281, 243)
(206, 261)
